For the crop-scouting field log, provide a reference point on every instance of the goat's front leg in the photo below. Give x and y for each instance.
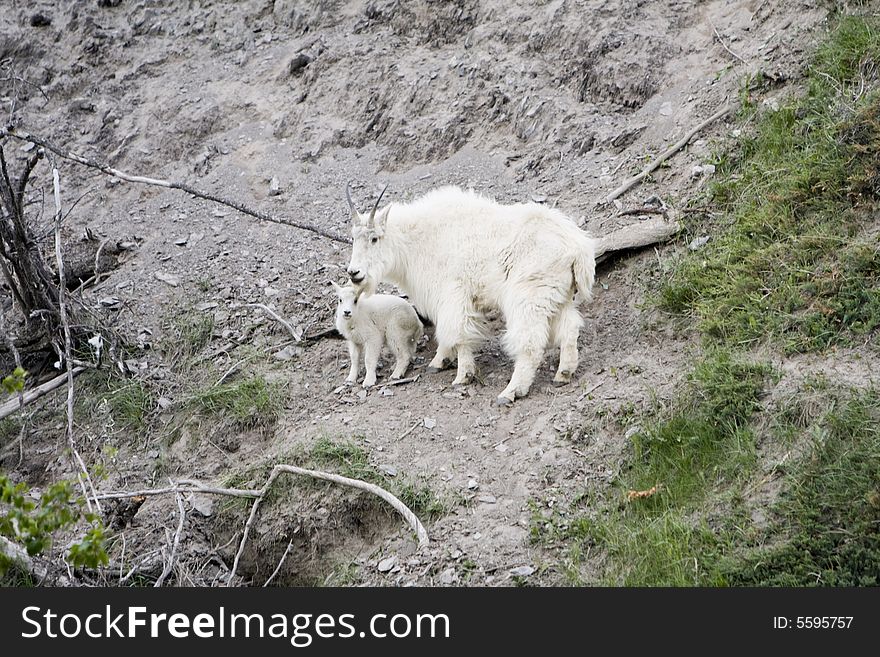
(371, 361)
(354, 354)
(442, 359)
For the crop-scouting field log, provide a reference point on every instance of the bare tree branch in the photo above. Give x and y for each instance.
(11, 131)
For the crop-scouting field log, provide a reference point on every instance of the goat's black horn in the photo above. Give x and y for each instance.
(376, 207)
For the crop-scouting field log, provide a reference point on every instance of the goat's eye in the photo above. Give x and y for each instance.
(374, 240)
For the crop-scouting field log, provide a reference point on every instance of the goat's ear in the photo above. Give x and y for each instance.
(381, 219)
(336, 287)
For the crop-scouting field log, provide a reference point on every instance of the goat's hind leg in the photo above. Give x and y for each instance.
(467, 366)
(525, 339)
(403, 352)
(564, 330)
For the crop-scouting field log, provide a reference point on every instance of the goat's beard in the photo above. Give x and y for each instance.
(367, 287)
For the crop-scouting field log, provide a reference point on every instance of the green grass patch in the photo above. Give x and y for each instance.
(130, 402)
(191, 331)
(702, 448)
(826, 529)
(253, 402)
(705, 439)
(799, 262)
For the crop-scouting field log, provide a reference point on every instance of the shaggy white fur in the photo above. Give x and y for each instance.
(368, 323)
(458, 255)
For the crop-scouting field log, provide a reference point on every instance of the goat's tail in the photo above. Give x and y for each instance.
(584, 271)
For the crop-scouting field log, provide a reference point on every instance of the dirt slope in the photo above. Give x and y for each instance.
(556, 99)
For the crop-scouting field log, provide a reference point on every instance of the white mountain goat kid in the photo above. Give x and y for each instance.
(457, 255)
(368, 322)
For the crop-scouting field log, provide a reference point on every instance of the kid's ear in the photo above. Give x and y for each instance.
(336, 287)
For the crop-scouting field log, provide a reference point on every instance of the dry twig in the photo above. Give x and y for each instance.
(169, 562)
(280, 563)
(296, 335)
(724, 45)
(672, 150)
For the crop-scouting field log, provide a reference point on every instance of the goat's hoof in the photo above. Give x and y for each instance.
(434, 370)
(466, 380)
(503, 401)
(350, 383)
(562, 378)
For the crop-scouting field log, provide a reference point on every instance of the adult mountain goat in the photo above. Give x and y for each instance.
(458, 255)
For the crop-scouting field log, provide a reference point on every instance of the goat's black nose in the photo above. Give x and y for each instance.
(347, 313)
(353, 272)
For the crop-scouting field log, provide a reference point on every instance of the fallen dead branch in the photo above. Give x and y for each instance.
(191, 486)
(13, 405)
(636, 235)
(280, 469)
(672, 150)
(11, 131)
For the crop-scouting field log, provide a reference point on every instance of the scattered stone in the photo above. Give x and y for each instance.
(539, 198)
(181, 242)
(429, 422)
(666, 109)
(501, 447)
(170, 279)
(274, 187)
(153, 453)
(285, 354)
(387, 392)
(271, 291)
(362, 394)
(164, 403)
(110, 302)
(699, 170)
(28, 147)
(203, 505)
(386, 565)
(699, 242)
(472, 484)
(632, 431)
(487, 499)
(82, 105)
(448, 576)
(390, 470)
(40, 20)
(206, 305)
(522, 571)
